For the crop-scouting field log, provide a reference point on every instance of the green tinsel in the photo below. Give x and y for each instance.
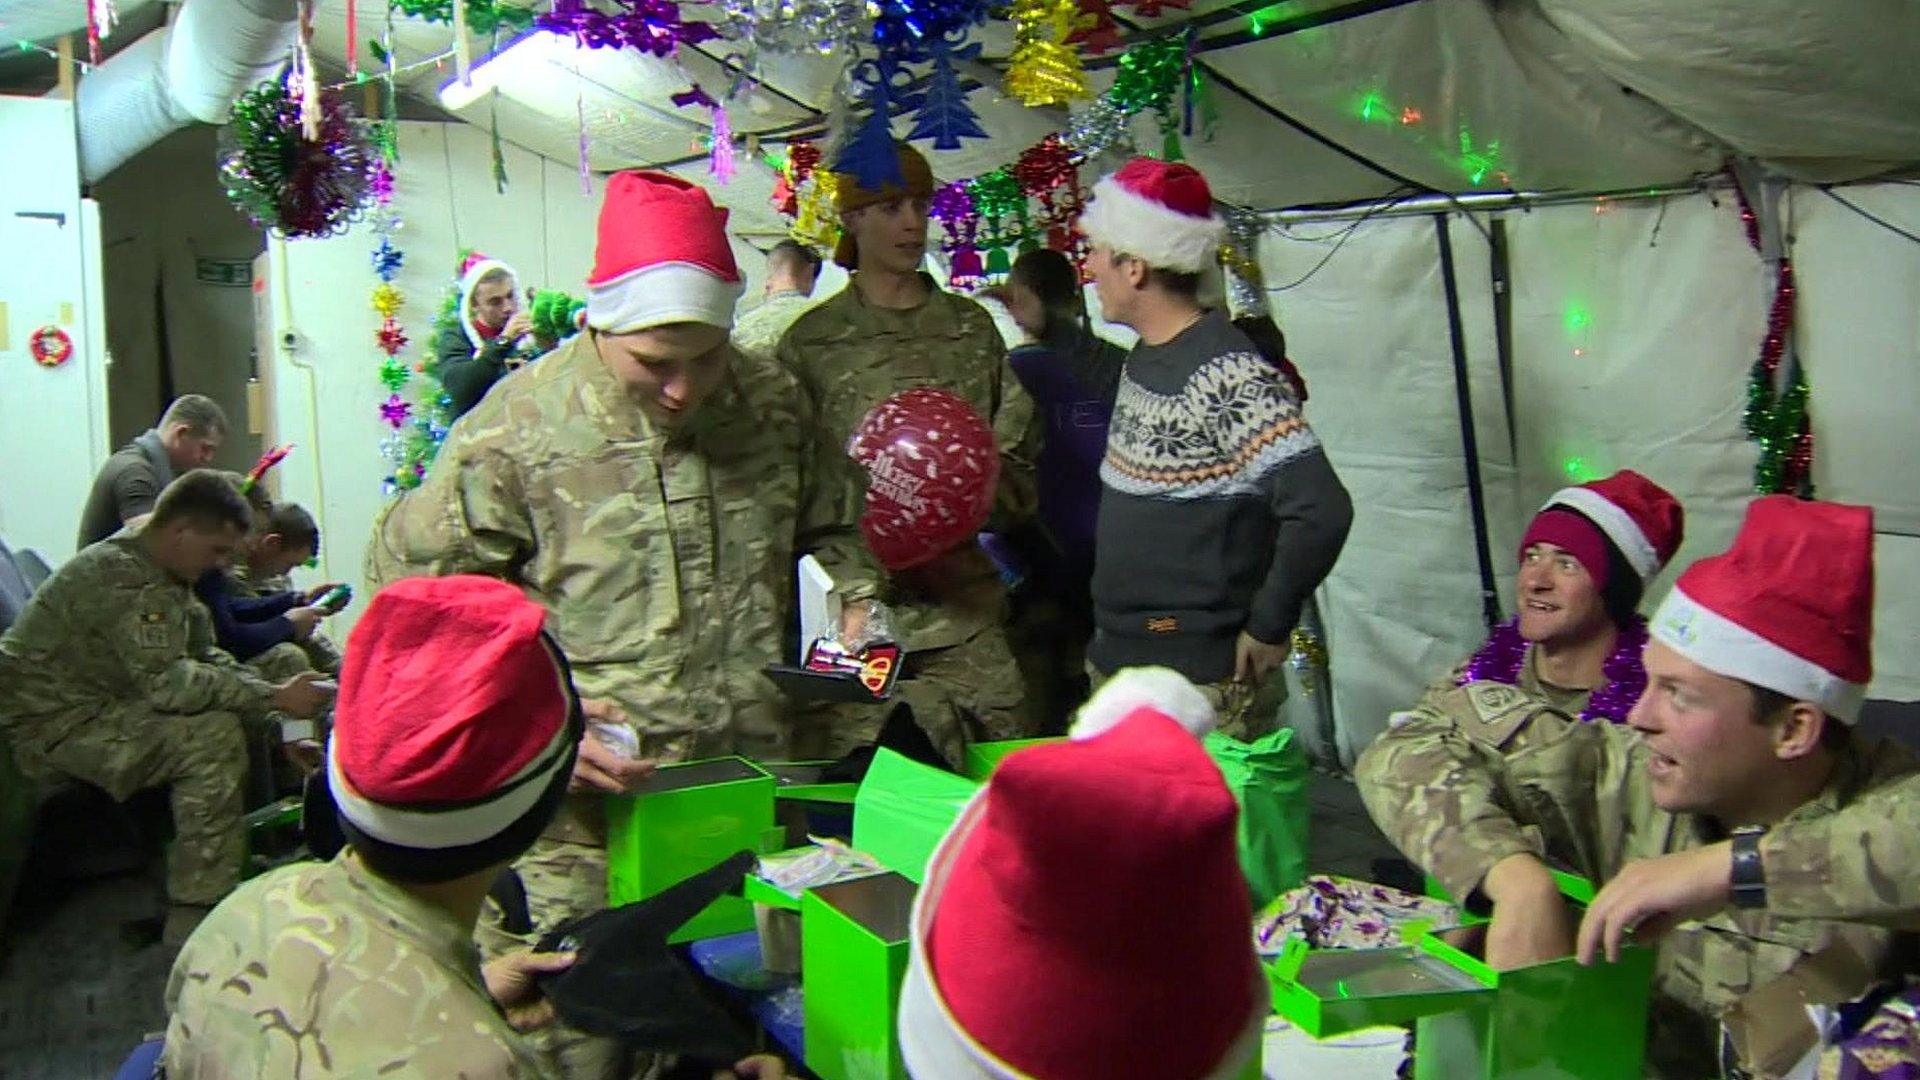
(997, 195)
(483, 16)
(1150, 77)
(555, 315)
(1780, 427)
(394, 374)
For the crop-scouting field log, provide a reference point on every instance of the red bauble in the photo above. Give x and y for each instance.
(931, 469)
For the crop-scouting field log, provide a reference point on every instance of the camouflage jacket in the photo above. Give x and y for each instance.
(318, 646)
(327, 970)
(112, 626)
(850, 356)
(758, 332)
(1484, 771)
(667, 564)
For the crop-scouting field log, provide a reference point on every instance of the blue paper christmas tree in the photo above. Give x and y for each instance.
(869, 155)
(944, 116)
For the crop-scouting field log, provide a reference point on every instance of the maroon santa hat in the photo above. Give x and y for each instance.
(662, 257)
(455, 728)
(1789, 606)
(1086, 917)
(1644, 522)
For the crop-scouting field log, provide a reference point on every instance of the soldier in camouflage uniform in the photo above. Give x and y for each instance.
(1735, 781)
(288, 538)
(651, 489)
(792, 272)
(365, 965)
(111, 676)
(893, 329)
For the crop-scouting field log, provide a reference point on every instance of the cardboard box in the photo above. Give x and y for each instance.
(684, 819)
(1471, 1022)
(902, 810)
(853, 942)
(984, 757)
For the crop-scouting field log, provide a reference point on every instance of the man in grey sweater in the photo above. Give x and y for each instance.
(187, 437)
(1219, 513)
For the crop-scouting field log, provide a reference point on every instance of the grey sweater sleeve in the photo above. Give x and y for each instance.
(1312, 512)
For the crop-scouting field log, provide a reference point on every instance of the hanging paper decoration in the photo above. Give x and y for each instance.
(580, 118)
(1098, 34)
(1047, 172)
(1100, 127)
(792, 27)
(952, 207)
(1149, 77)
(294, 186)
(912, 31)
(817, 217)
(945, 117)
(100, 20)
(1044, 69)
(720, 161)
(870, 156)
(649, 26)
(794, 169)
(481, 16)
(1776, 417)
(1002, 207)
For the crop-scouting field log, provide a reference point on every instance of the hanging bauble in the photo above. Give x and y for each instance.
(286, 183)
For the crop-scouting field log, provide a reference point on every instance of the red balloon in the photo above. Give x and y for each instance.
(931, 469)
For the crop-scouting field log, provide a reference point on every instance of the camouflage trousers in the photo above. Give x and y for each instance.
(1246, 711)
(970, 692)
(563, 880)
(200, 757)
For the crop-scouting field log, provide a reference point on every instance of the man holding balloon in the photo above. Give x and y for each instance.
(893, 330)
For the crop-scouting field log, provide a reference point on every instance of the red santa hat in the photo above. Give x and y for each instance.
(455, 729)
(1789, 606)
(1643, 520)
(662, 257)
(1159, 211)
(1086, 917)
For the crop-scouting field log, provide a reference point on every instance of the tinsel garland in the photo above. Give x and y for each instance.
(1776, 417)
(481, 16)
(952, 207)
(1045, 68)
(649, 26)
(286, 183)
(555, 316)
(100, 20)
(1505, 654)
(1240, 258)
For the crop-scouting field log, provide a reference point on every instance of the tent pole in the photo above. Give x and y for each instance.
(1414, 205)
(1501, 272)
(1469, 440)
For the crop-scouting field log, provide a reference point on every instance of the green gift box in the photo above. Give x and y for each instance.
(1471, 1022)
(984, 757)
(902, 810)
(853, 947)
(682, 820)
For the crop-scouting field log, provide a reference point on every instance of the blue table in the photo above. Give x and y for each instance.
(774, 1001)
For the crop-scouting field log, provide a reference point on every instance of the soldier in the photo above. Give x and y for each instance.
(1219, 512)
(288, 538)
(365, 964)
(111, 676)
(892, 329)
(484, 341)
(650, 488)
(793, 269)
(188, 435)
(1585, 560)
(1735, 819)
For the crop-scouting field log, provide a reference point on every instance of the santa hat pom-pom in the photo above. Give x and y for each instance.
(1133, 689)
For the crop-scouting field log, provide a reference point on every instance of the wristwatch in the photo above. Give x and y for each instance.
(1749, 876)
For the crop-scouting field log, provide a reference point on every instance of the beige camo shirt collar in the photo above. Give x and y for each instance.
(433, 929)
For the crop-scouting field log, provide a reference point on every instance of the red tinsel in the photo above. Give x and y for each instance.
(1046, 172)
(1793, 471)
(802, 157)
(390, 337)
(1098, 33)
(1151, 9)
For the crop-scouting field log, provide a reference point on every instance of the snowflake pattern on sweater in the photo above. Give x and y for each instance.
(1233, 423)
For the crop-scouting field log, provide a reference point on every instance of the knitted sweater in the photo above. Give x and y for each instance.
(1219, 512)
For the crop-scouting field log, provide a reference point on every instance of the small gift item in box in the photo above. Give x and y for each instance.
(1339, 913)
(830, 668)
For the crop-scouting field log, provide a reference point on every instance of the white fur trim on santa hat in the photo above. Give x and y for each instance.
(1133, 689)
(448, 828)
(1131, 224)
(1619, 526)
(1724, 647)
(659, 294)
(934, 1046)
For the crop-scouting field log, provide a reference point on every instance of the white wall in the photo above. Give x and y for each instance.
(53, 421)
(1665, 304)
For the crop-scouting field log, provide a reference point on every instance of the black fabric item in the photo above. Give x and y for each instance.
(319, 820)
(901, 734)
(626, 983)
(510, 893)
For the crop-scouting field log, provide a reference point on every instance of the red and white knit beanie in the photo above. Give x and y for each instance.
(662, 257)
(1789, 606)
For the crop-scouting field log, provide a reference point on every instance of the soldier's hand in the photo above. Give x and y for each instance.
(519, 325)
(304, 619)
(303, 696)
(307, 755)
(1531, 923)
(758, 1067)
(1255, 660)
(1650, 897)
(600, 768)
(511, 981)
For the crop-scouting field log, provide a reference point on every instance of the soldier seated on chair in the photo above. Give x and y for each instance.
(111, 676)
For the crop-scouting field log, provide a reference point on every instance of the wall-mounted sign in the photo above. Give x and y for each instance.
(236, 272)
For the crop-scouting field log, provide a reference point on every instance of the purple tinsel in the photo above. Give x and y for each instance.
(395, 411)
(380, 182)
(651, 26)
(1505, 653)
(951, 204)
